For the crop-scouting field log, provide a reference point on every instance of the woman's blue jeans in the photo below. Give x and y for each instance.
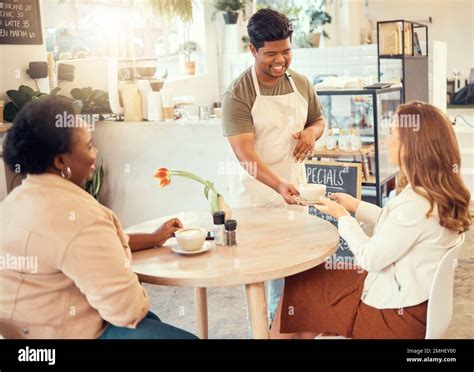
(150, 328)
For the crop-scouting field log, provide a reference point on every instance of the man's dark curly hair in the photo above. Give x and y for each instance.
(34, 139)
(268, 25)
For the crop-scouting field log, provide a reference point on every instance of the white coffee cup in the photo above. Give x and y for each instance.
(191, 239)
(312, 191)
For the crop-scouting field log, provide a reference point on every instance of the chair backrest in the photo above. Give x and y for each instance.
(440, 302)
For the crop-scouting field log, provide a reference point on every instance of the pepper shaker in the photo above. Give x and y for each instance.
(230, 233)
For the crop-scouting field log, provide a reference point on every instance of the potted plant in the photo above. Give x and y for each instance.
(317, 18)
(229, 9)
(90, 101)
(188, 48)
(19, 98)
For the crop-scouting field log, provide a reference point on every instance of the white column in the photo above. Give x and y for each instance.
(230, 52)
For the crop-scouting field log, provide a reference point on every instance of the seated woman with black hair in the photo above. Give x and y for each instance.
(82, 285)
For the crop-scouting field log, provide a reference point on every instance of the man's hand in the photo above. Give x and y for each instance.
(305, 146)
(288, 192)
(166, 231)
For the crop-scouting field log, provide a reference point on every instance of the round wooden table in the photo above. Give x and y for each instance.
(271, 244)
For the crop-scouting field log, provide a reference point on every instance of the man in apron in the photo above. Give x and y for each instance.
(272, 118)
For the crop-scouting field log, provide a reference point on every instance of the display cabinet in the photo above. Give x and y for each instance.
(358, 126)
(405, 42)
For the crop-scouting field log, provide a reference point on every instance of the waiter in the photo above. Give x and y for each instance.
(271, 117)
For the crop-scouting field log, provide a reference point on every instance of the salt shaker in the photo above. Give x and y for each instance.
(218, 230)
(230, 233)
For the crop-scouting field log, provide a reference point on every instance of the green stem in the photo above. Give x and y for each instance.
(194, 177)
(189, 175)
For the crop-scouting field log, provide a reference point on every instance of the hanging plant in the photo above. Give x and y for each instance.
(168, 9)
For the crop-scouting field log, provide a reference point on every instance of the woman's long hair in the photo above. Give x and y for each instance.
(431, 159)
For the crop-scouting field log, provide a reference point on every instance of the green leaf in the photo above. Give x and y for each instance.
(19, 98)
(206, 192)
(76, 93)
(27, 91)
(55, 91)
(86, 93)
(97, 95)
(10, 111)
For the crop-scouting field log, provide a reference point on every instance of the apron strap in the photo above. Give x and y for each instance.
(293, 85)
(255, 81)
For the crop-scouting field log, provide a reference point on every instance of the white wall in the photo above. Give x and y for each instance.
(453, 23)
(347, 21)
(465, 135)
(355, 61)
(133, 151)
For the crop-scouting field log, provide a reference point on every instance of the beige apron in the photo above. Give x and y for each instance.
(275, 119)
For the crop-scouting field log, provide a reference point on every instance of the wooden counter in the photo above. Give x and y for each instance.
(4, 127)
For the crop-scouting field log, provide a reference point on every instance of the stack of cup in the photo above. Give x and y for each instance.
(155, 107)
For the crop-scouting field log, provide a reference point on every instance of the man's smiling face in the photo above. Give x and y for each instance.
(273, 59)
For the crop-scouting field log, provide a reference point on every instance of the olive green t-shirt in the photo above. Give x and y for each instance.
(239, 98)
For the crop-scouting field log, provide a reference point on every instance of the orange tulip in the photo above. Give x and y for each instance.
(163, 176)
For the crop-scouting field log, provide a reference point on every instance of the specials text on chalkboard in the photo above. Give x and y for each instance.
(20, 22)
(338, 177)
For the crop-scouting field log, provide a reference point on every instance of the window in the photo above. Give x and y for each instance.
(112, 29)
(297, 12)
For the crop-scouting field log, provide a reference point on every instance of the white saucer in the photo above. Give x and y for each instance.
(301, 201)
(205, 247)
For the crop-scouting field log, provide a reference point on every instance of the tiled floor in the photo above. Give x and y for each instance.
(227, 314)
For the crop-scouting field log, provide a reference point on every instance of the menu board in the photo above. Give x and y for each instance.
(338, 177)
(20, 22)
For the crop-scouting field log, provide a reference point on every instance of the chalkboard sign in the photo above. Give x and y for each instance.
(338, 177)
(20, 22)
